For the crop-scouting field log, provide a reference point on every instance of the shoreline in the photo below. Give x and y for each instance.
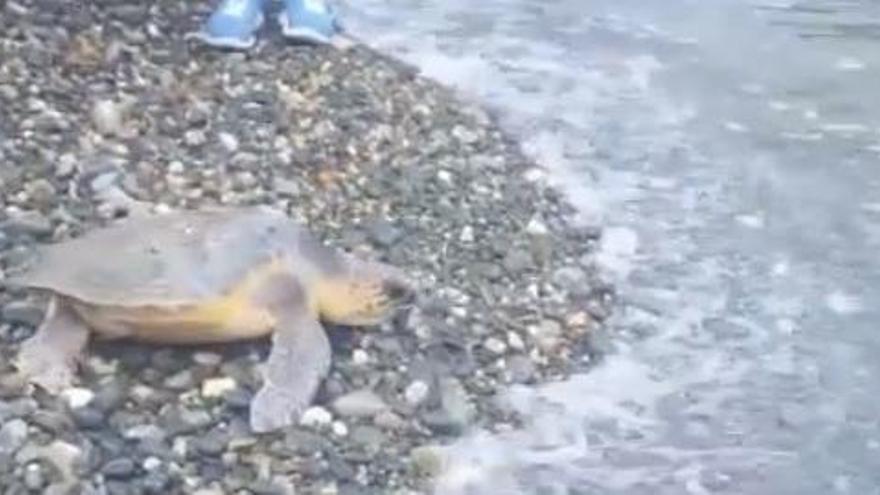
(375, 159)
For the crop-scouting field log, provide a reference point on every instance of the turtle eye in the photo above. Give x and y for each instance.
(396, 291)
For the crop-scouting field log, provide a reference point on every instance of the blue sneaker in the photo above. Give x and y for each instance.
(233, 24)
(308, 20)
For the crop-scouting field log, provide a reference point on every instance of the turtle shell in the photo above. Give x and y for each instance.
(183, 257)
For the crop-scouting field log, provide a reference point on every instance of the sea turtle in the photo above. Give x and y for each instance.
(209, 276)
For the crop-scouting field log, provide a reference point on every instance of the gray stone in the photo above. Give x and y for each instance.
(359, 403)
(520, 369)
(119, 468)
(455, 412)
(369, 437)
(181, 380)
(13, 434)
(23, 312)
(517, 261)
(572, 279)
(383, 233)
(29, 223)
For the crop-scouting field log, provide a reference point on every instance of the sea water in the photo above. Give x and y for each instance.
(730, 150)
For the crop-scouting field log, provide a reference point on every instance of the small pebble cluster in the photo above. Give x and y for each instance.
(105, 107)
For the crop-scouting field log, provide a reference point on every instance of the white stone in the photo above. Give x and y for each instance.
(467, 234)
(315, 417)
(416, 392)
(515, 341)
(339, 429)
(359, 357)
(228, 141)
(152, 463)
(495, 346)
(207, 358)
(78, 397)
(216, 387)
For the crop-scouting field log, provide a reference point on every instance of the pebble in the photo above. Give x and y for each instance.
(144, 432)
(467, 235)
(63, 456)
(23, 312)
(572, 279)
(152, 463)
(517, 261)
(315, 417)
(360, 403)
(181, 380)
(428, 460)
(12, 436)
(107, 117)
(520, 369)
(194, 137)
(207, 358)
(416, 393)
(218, 387)
(455, 412)
(118, 468)
(369, 437)
(228, 141)
(515, 341)
(495, 345)
(88, 417)
(77, 397)
(34, 479)
(339, 429)
(383, 234)
(389, 420)
(546, 334)
(359, 357)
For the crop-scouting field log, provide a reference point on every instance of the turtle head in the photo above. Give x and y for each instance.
(366, 293)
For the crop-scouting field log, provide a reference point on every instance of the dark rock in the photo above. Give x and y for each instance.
(88, 417)
(383, 233)
(52, 421)
(180, 420)
(238, 398)
(119, 468)
(156, 483)
(212, 444)
(305, 442)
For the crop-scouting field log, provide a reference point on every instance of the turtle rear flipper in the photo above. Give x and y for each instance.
(49, 358)
(298, 361)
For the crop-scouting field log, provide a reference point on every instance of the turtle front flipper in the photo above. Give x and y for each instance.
(298, 361)
(49, 358)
